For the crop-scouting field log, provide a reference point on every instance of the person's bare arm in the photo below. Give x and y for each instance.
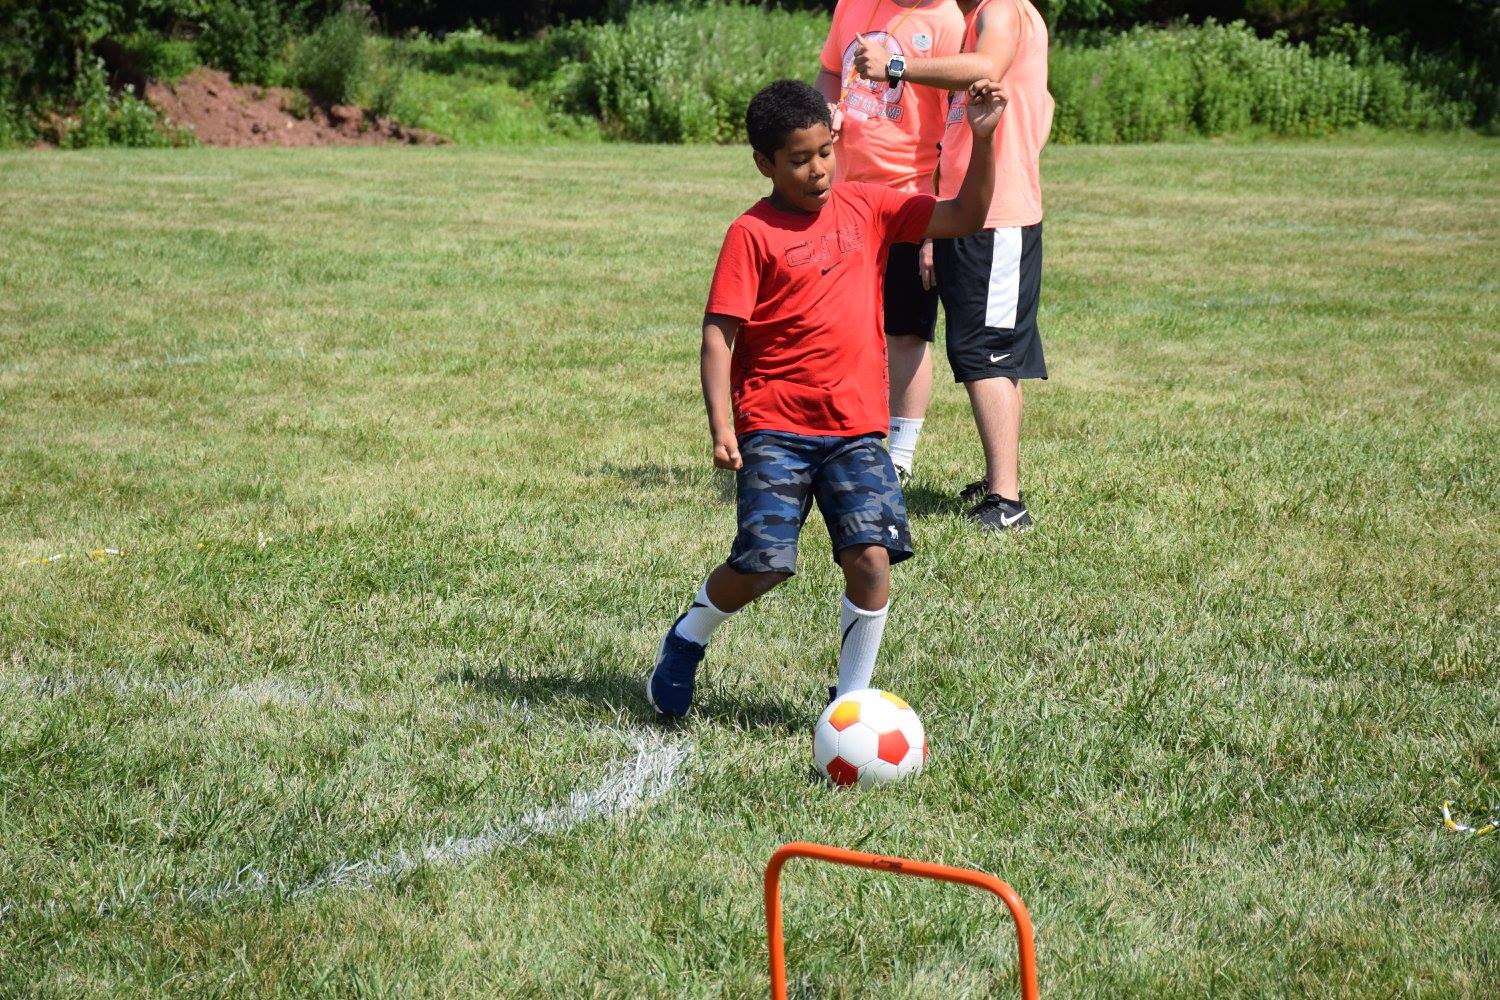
(829, 85)
(713, 368)
(964, 214)
(998, 37)
(926, 267)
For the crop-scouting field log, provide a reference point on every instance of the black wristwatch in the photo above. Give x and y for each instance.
(896, 68)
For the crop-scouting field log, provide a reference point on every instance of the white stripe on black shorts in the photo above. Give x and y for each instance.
(991, 283)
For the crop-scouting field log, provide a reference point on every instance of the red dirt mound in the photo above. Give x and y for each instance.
(221, 112)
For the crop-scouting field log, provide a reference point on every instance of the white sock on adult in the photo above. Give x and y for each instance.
(861, 631)
(904, 434)
(702, 618)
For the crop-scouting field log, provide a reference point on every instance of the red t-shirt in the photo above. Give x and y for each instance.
(809, 357)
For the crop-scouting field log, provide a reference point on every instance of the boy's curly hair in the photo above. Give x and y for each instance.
(779, 110)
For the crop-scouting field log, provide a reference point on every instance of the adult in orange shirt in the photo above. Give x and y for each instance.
(991, 282)
(888, 134)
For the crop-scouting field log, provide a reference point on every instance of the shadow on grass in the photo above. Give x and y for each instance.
(924, 501)
(623, 692)
(654, 474)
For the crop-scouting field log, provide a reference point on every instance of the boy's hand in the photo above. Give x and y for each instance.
(926, 270)
(871, 59)
(727, 451)
(986, 102)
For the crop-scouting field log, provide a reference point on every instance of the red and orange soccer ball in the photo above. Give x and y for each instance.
(870, 737)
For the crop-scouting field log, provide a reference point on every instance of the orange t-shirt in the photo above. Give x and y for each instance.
(891, 131)
(1023, 130)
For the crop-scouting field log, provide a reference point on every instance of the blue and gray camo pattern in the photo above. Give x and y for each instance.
(852, 481)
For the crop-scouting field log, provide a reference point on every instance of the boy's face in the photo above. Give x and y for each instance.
(802, 170)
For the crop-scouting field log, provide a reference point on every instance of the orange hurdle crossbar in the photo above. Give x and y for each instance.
(900, 866)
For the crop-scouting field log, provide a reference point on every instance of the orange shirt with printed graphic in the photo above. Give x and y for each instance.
(1023, 128)
(891, 131)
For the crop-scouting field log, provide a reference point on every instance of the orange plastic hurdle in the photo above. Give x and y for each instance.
(901, 866)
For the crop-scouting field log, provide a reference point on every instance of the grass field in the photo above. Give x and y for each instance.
(404, 454)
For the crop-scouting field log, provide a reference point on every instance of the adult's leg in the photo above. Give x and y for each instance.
(997, 414)
(910, 322)
(911, 375)
(991, 286)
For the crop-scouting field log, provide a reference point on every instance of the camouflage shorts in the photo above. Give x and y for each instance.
(851, 479)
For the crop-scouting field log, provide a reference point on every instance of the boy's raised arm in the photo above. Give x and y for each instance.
(713, 369)
(965, 214)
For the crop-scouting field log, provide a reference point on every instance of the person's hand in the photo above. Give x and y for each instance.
(836, 115)
(925, 267)
(871, 59)
(986, 102)
(727, 450)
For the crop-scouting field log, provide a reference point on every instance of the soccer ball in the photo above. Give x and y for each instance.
(870, 737)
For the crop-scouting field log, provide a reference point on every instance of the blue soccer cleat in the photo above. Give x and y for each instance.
(670, 686)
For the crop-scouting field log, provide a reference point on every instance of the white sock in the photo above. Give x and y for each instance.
(861, 631)
(702, 618)
(904, 434)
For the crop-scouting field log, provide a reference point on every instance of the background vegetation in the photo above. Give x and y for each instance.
(682, 70)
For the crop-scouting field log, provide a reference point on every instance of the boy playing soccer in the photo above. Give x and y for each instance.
(793, 343)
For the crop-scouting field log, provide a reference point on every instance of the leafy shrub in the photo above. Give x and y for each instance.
(478, 90)
(1216, 79)
(245, 38)
(333, 62)
(386, 79)
(685, 72)
(16, 123)
(670, 74)
(157, 58)
(106, 119)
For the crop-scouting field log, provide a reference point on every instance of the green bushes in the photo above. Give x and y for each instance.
(682, 74)
(1218, 79)
(477, 90)
(102, 118)
(245, 38)
(684, 70)
(333, 62)
(151, 56)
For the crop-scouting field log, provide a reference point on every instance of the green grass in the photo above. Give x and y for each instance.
(405, 453)
(478, 91)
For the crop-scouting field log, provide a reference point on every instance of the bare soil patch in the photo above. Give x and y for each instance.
(220, 112)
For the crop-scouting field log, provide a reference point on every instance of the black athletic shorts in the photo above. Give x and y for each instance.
(991, 283)
(910, 309)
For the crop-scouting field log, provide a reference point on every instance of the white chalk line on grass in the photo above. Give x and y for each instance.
(626, 785)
